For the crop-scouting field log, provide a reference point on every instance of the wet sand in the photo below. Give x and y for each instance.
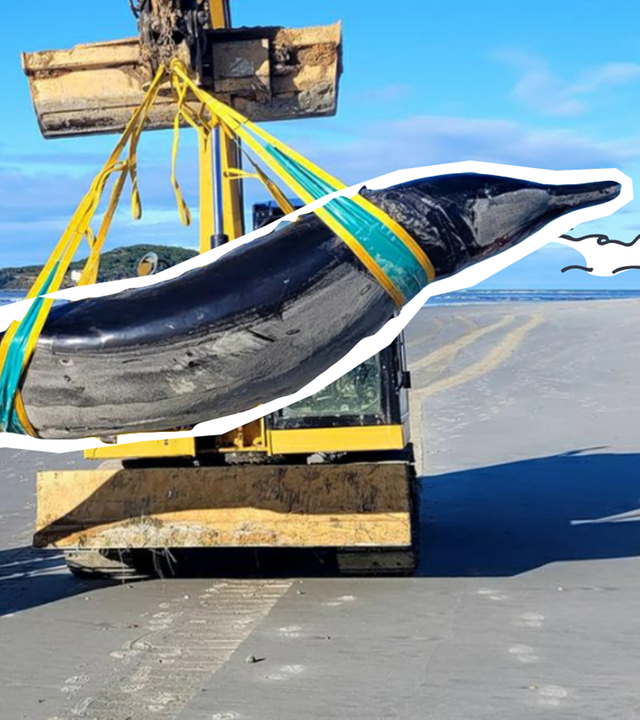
(525, 603)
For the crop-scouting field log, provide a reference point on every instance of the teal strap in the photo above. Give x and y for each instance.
(397, 261)
(11, 373)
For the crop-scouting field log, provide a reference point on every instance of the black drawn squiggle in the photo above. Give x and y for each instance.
(601, 240)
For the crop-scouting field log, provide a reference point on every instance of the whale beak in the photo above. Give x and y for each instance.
(566, 198)
(506, 218)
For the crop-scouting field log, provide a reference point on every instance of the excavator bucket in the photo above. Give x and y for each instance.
(352, 508)
(267, 73)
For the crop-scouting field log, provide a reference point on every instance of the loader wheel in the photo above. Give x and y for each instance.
(102, 565)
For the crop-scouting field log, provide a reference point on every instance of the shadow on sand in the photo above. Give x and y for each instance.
(30, 578)
(491, 521)
(506, 519)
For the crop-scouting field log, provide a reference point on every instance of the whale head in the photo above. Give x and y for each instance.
(463, 218)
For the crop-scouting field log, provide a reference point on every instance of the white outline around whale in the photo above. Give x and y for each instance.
(371, 345)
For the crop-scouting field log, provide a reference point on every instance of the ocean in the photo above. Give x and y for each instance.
(484, 297)
(10, 297)
(481, 297)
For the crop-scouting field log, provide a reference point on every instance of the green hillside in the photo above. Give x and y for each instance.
(115, 265)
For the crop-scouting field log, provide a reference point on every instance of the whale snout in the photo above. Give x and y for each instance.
(574, 197)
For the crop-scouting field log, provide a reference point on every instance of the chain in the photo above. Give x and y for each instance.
(166, 18)
(158, 20)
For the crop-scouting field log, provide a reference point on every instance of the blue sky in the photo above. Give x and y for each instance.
(554, 85)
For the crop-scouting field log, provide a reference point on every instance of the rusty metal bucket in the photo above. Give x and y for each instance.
(268, 73)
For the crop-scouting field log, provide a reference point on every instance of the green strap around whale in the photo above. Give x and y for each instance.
(12, 368)
(385, 247)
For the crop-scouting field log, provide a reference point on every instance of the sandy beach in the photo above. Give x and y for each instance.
(525, 603)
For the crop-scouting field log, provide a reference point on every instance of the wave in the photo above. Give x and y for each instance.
(6, 298)
(483, 297)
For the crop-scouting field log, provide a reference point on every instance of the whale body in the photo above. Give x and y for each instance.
(266, 318)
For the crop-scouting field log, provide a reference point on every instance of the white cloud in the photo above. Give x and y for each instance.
(540, 88)
(610, 74)
(426, 140)
(387, 93)
(35, 207)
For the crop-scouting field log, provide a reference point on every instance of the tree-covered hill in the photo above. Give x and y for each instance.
(115, 265)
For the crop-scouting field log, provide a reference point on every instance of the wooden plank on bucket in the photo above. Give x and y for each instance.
(351, 505)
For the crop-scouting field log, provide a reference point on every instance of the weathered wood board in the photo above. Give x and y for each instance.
(351, 505)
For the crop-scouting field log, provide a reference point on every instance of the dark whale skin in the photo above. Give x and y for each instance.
(268, 317)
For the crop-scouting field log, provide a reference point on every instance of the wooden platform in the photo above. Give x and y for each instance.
(364, 505)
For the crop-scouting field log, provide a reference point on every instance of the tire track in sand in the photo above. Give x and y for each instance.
(448, 352)
(182, 643)
(495, 357)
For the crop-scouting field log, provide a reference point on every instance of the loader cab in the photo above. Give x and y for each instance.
(265, 213)
(366, 410)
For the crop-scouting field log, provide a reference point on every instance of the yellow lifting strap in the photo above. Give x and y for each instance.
(239, 126)
(204, 127)
(53, 273)
(258, 174)
(295, 170)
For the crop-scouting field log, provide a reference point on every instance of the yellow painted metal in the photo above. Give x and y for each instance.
(354, 505)
(339, 439)
(251, 437)
(178, 447)
(232, 211)
(219, 13)
(366, 505)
